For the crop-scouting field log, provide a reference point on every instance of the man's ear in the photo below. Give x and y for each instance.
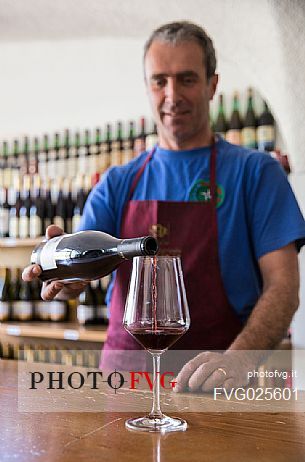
(213, 82)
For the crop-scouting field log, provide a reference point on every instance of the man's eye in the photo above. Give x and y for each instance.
(188, 80)
(159, 82)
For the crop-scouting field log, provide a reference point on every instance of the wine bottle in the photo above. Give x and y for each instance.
(43, 157)
(233, 134)
(117, 146)
(36, 226)
(24, 168)
(5, 295)
(15, 210)
(87, 255)
(140, 141)
(4, 212)
(6, 165)
(79, 205)
(69, 205)
(128, 145)
(221, 125)
(24, 219)
(152, 138)
(48, 205)
(248, 133)
(16, 154)
(265, 130)
(60, 206)
(87, 307)
(23, 307)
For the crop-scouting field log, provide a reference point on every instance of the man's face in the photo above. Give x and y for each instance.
(179, 93)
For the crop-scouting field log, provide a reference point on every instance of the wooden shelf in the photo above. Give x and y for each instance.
(49, 330)
(20, 243)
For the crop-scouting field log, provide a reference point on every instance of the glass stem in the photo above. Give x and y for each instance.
(156, 412)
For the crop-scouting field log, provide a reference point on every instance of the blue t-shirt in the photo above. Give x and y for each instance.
(256, 208)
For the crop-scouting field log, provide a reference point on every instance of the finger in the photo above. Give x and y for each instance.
(188, 369)
(229, 383)
(53, 231)
(202, 373)
(49, 291)
(31, 272)
(76, 285)
(216, 379)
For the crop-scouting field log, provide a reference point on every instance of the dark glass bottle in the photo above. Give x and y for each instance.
(5, 295)
(265, 130)
(48, 206)
(87, 306)
(36, 225)
(128, 144)
(23, 307)
(4, 212)
(117, 146)
(60, 207)
(24, 219)
(233, 134)
(15, 210)
(79, 206)
(87, 255)
(248, 133)
(221, 125)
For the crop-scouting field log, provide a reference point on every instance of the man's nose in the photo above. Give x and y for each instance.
(172, 91)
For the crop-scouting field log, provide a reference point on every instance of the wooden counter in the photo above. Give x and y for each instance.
(101, 436)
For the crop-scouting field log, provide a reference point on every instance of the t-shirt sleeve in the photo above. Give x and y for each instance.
(99, 210)
(273, 212)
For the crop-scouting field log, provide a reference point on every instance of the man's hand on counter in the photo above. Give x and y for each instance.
(212, 369)
(54, 289)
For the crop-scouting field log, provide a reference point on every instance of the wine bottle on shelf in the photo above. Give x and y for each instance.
(105, 151)
(24, 213)
(248, 133)
(79, 205)
(152, 138)
(82, 154)
(117, 146)
(41, 307)
(87, 255)
(5, 295)
(100, 293)
(69, 205)
(14, 214)
(140, 141)
(22, 306)
(265, 130)
(60, 206)
(48, 205)
(34, 157)
(221, 125)
(74, 153)
(128, 145)
(87, 308)
(87, 146)
(233, 134)
(36, 225)
(95, 150)
(4, 212)
(24, 165)
(16, 155)
(5, 166)
(43, 158)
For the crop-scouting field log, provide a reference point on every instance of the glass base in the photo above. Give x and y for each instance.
(161, 424)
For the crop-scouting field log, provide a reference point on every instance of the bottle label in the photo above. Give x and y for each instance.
(84, 312)
(265, 133)
(35, 226)
(42, 310)
(47, 255)
(57, 310)
(233, 136)
(22, 310)
(248, 136)
(4, 311)
(23, 227)
(14, 227)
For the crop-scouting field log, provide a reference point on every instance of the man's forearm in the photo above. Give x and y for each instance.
(269, 320)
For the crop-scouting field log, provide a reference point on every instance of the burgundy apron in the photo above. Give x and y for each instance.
(190, 229)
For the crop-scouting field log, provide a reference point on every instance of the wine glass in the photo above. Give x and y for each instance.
(156, 315)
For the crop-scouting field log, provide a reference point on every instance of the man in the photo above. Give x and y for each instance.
(230, 213)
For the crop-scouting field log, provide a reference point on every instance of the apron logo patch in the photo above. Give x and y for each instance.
(200, 192)
(159, 231)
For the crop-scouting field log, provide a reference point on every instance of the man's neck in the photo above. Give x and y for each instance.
(202, 140)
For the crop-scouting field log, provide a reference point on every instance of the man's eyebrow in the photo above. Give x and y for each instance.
(186, 73)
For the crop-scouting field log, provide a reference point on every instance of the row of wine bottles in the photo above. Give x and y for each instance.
(250, 131)
(67, 154)
(31, 204)
(21, 301)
